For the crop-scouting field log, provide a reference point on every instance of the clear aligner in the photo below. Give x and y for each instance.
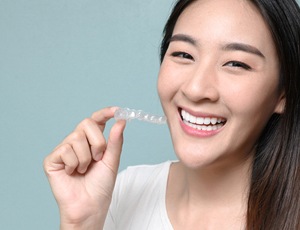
(129, 114)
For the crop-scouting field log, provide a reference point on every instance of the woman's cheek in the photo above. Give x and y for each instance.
(164, 83)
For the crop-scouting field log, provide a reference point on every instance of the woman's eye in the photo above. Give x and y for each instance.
(182, 55)
(237, 64)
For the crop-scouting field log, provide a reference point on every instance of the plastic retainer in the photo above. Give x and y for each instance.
(129, 114)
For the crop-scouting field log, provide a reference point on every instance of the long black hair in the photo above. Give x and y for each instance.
(274, 196)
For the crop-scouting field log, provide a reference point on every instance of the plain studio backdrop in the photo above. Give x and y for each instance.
(59, 62)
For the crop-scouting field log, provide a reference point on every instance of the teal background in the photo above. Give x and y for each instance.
(59, 62)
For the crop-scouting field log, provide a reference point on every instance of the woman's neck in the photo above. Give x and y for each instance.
(209, 193)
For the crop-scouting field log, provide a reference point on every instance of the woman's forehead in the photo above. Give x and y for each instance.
(225, 21)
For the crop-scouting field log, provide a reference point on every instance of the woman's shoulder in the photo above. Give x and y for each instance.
(140, 182)
(136, 179)
(147, 168)
(138, 198)
(139, 174)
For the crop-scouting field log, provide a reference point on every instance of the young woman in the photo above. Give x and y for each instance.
(229, 85)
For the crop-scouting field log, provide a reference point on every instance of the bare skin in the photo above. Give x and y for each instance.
(82, 171)
(212, 200)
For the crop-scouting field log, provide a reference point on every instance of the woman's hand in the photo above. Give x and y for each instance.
(82, 171)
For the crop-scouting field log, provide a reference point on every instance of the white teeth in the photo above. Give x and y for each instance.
(213, 120)
(202, 123)
(192, 119)
(203, 127)
(207, 121)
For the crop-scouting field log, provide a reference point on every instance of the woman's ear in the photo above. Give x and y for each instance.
(280, 107)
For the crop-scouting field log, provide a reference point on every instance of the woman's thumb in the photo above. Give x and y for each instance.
(114, 146)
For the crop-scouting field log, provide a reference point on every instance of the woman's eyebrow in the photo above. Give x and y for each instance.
(227, 47)
(183, 38)
(243, 47)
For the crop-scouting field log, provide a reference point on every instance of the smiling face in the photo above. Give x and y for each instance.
(218, 82)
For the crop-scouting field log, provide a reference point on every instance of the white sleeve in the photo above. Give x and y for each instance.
(138, 200)
(110, 221)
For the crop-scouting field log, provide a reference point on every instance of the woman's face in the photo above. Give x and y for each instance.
(218, 82)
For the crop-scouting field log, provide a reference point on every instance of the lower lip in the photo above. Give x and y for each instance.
(198, 133)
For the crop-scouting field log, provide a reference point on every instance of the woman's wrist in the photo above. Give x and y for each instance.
(93, 219)
(90, 223)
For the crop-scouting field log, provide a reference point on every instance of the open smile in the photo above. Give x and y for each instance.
(203, 123)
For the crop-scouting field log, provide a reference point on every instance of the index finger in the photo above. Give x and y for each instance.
(103, 115)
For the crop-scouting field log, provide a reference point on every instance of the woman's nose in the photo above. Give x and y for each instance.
(201, 85)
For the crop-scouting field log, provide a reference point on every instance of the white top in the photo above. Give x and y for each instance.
(139, 199)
